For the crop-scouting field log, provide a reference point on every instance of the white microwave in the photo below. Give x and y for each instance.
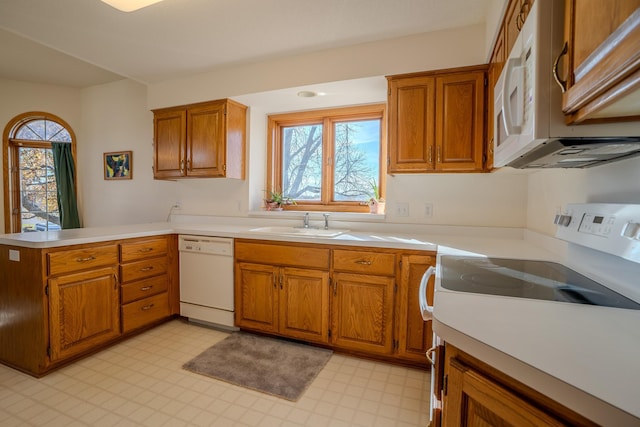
(529, 127)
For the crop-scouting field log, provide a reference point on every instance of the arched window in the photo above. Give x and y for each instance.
(31, 198)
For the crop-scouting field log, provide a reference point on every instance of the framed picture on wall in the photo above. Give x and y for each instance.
(118, 165)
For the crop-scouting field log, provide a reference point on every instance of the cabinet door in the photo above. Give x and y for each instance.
(304, 304)
(460, 121)
(473, 399)
(411, 124)
(256, 293)
(169, 143)
(362, 313)
(414, 334)
(84, 311)
(206, 141)
(602, 66)
(512, 24)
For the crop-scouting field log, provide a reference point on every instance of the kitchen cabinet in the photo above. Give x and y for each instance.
(144, 272)
(414, 334)
(476, 394)
(282, 289)
(66, 302)
(360, 300)
(205, 140)
(602, 63)
(436, 121)
(363, 300)
(83, 299)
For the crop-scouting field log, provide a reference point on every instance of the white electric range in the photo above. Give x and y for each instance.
(568, 326)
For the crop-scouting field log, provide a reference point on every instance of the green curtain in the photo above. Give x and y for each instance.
(64, 171)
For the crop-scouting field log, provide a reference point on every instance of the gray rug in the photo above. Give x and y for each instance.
(268, 365)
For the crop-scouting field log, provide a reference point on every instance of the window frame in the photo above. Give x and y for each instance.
(10, 167)
(326, 117)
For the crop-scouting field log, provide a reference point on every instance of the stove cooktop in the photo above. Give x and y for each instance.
(541, 280)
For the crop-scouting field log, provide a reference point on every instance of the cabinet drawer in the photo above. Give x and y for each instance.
(145, 311)
(144, 288)
(293, 256)
(364, 262)
(132, 251)
(81, 259)
(142, 269)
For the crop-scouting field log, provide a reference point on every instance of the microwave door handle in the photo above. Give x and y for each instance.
(425, 308)
(509, 126)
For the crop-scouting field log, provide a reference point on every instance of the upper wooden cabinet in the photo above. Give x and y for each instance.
(436, 121)
(602, 66)
(205, 140)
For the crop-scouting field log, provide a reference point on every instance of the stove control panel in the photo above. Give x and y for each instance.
(607, 227)
(598, 225)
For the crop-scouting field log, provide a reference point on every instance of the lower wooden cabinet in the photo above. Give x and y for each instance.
(476, 394)
(362, 313)
(414, 335)
(289, 301)
(70, 301)
(360, 300)
(84, 311)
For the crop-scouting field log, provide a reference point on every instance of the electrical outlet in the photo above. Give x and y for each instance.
(428, 210)
(402, 209)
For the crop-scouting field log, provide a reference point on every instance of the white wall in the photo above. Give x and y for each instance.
(549, 191)
(19, 97)
(115, 117)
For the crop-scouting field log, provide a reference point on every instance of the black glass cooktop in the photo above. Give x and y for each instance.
(527, 279)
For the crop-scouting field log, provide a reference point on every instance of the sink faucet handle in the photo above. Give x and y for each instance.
(306, 220)
(326, 221)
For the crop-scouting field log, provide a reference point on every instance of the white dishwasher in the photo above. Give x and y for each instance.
(206, 279)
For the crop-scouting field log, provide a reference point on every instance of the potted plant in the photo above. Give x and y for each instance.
(376, 203)
(277, 200)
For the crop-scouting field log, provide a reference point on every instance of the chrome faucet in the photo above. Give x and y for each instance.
(305, 221)
(326, 221)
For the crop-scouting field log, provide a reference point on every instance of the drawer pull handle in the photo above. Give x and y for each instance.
(147, 307)
(146, 269)
(363, 262)
(429, 353)
(145, 249)
(89, 258)
(146, 288)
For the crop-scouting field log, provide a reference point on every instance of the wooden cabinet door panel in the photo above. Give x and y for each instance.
(256, 293)
(205, 141)
(362, 313)
(84, 311)
(475, 400)
(460, 121)
(411, 124)
(170, 143)
(304, 304)
(414, 334)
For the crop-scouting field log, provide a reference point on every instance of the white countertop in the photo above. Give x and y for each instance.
(592, 350)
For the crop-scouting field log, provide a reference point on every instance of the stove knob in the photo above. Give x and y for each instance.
(631, 230)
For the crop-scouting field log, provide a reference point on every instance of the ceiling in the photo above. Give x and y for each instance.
(80, 43)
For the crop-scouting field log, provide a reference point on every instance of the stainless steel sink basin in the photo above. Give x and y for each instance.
(299, 231)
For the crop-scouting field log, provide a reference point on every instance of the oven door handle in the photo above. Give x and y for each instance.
(425, 309)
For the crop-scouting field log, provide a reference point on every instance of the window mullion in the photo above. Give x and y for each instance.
(328, 161)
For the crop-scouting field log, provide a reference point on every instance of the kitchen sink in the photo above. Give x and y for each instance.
(299, 231)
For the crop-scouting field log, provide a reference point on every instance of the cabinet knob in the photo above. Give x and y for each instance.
(89, 258)
(363, 262)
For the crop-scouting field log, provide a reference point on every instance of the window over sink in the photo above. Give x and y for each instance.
(330, 160)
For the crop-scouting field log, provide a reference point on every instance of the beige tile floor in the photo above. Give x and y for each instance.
(140, 382)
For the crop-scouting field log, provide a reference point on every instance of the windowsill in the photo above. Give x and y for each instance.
(339, 216)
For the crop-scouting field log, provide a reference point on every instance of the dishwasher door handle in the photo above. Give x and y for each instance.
(425, 309)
